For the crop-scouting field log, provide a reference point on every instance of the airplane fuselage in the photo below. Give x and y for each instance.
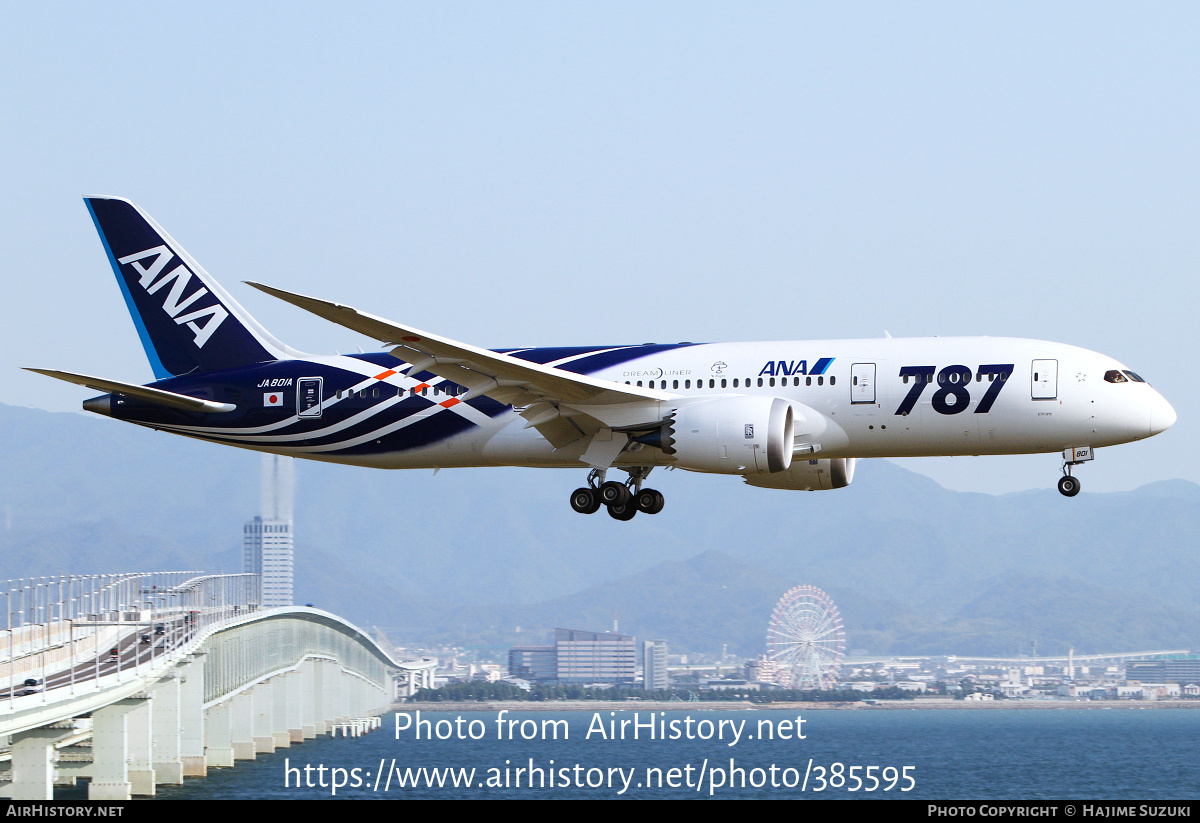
(889, 397)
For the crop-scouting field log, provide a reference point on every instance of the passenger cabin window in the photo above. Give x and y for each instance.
(1110, 376)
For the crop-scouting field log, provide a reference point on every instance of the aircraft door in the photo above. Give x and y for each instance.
(1045, 379)
(862, 383)
(308, 397)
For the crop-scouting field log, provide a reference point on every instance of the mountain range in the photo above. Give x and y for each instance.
(492, 557)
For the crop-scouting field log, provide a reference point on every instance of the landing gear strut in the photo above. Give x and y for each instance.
(624, 500)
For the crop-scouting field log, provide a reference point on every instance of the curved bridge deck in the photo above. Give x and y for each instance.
(172, 673)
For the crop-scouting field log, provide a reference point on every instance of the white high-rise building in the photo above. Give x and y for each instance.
(654, 665)
(267, 539)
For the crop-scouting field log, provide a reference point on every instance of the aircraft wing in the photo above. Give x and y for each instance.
(546, 393)
(161, 397)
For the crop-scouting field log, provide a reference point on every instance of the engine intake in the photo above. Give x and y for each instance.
(730, 435)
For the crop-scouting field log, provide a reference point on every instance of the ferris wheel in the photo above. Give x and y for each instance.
(805, 640)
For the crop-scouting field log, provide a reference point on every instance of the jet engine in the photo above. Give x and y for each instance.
(729, 435)
(809, 475)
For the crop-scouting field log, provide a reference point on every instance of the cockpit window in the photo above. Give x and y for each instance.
(1135, 378)
(1114, 376)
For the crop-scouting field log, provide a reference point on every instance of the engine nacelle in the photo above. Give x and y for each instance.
(809, 475)
(731, 435)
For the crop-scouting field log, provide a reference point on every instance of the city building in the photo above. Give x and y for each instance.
(267, 538)
(1172, 668)
(577, 657)
(594, 657)
(762, 670)
(654, 665)
(536, 664)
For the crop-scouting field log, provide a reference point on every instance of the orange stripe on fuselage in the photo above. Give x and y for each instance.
(453, 401)
(384, 375)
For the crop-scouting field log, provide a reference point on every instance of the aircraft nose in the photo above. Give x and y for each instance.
(1162, 415)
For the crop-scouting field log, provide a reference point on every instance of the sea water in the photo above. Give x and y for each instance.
(1071, 753)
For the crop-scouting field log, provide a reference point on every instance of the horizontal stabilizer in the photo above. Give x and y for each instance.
(160, 397)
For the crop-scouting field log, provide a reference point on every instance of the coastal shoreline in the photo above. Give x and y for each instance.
(741, 705)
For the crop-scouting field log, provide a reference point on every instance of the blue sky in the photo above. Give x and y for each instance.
(546, 174)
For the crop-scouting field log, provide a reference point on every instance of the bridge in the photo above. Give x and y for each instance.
(168, 674)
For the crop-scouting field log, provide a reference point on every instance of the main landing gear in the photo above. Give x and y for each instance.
(624, 500)
(1068, 485)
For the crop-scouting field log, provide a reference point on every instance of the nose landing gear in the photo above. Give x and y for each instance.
(624, 500)
(1068, 485)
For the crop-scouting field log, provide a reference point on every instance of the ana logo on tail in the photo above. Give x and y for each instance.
(175, 302)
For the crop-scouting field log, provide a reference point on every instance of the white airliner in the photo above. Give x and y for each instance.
(781, 415)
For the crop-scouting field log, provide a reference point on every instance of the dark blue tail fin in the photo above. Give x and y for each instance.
(187, 322)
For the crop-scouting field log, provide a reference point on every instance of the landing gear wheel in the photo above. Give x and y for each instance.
(585, 500)
(650, 501)
(613, 493)
(622, 511)
(1068, 486)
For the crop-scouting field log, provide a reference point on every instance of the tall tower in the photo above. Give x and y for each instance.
(654, 665)
(267, 539)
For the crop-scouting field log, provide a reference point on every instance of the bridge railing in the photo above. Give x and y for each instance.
(54, 624)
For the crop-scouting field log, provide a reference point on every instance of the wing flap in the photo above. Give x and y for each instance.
(560, 431)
